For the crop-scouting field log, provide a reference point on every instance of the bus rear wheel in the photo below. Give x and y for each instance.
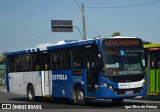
(31, 93)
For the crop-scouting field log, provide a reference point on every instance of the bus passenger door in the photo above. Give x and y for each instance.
(90, 54)
(154, 77)
(46, 74)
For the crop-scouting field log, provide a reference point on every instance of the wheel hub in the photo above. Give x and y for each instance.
(80, 96)
(30, 94)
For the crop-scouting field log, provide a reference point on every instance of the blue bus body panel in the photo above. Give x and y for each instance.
(63, 82)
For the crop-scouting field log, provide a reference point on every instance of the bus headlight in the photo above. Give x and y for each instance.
(105, 84)
(108, 86)
(144, 83)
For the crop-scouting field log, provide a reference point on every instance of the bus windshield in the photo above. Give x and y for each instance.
(123, 61)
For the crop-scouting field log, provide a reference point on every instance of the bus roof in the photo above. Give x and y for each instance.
(151, 45)
(62, 44)
(56, 45)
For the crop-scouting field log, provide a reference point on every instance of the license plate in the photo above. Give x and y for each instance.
(129, 92)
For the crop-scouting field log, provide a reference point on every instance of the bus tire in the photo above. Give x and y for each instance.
(31, 93)
(117, 101)
(80, 97)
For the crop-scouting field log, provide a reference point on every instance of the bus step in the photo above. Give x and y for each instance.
(90, 97)
(47, 97)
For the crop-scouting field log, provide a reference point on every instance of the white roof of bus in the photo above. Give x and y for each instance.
(121, 37)
(50, 44)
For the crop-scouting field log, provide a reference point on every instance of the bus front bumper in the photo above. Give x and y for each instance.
(106, 93)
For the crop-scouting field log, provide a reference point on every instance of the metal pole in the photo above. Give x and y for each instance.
(83, 21)
(79, 31)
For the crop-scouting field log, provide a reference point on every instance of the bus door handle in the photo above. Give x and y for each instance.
(19, 85)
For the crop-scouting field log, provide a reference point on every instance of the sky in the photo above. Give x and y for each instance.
(27, 23)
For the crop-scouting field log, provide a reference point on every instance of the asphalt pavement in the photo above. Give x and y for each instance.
(146, 104)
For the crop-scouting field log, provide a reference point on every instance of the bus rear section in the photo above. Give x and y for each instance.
(152, 52)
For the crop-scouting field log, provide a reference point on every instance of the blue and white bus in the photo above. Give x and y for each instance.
(105, 68)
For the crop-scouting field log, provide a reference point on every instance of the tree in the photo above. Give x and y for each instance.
(3, 58)
(116, 34)
(146, 42)
(2, 68)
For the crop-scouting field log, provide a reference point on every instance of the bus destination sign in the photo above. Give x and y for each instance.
(122, 42)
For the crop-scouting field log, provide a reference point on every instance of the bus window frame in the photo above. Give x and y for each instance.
(56, 65)
(22, 62)
(45, 65)
(68, 58)
(37, 66)
(30, 55)
(74, 63)
(9, 65)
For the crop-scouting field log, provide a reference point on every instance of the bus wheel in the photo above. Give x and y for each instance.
(80, 99)
(117, 101)
(31, 93)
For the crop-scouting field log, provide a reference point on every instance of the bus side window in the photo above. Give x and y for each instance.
(35, 62)
(27, 62)
(19, 63)
(76, 57)
(65, 59)
(45, 60)
(11, 62)
(56, 60)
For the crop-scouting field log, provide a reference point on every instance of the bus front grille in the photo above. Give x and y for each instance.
(124, 91)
